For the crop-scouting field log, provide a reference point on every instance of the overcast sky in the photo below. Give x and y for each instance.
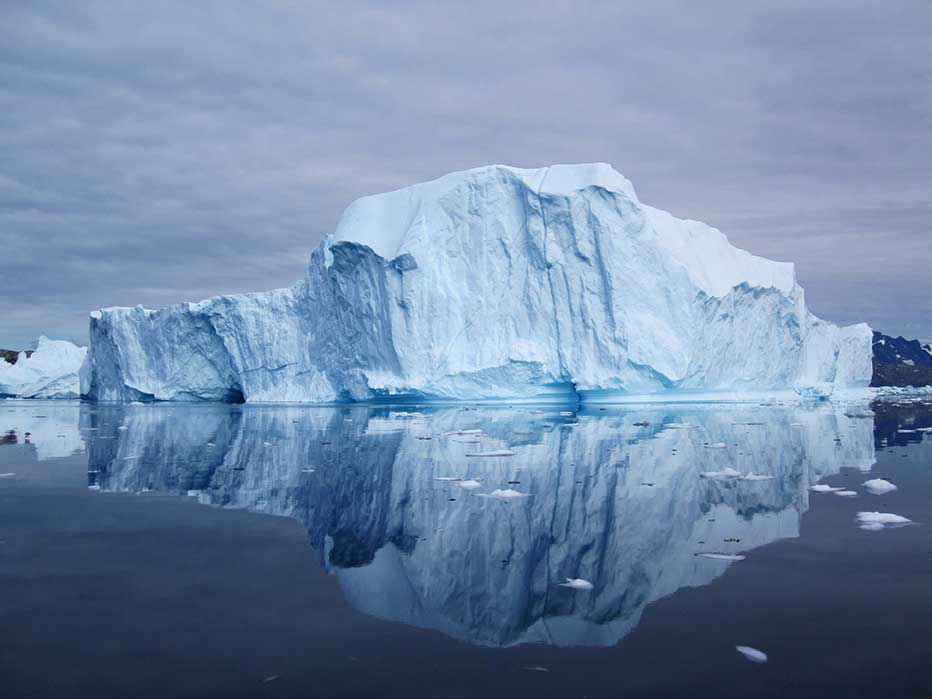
(152, 153)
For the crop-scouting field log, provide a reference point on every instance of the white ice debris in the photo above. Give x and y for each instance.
(50, 372)
(504, 494)
(846, 493)
(501, 452)
(7, 475)
(469, 484)
(716, 445)
(717, 556)
(496, 282)
(726, 472)
(751, 476)
(577, 584)
(752, 654)
(879, 486)
(823, 488)
(875, 521)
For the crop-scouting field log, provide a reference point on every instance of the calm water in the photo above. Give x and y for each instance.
(238, 551)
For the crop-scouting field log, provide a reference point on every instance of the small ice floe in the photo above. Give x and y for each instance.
(193, 493)
(906, 431)
(726, 472)
(569, 425)
(7, 475)
(566, 413)
(718, 556)
(751, 476)
(679, 425)
(447, 478)
(504, 494)
(537, 412)
(93, 487)
(875, 521)
(122, 427)
(307, 470)
(924, 429)
(270, 678)
(752, 654)
(797, 425)
(716, 445)
(577, 584)
(823, 488)
(130, 458)
(879, 486)
(469, 484)
(266, 444)
(535, 668)
(463, 433)
(502, 452)
(846, 493)
(860, 413)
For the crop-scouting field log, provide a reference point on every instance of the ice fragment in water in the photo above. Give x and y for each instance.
(879, 486)
(752, 654)
(577, 584)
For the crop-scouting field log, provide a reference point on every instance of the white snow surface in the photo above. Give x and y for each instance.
(50, 372)
(493, 283)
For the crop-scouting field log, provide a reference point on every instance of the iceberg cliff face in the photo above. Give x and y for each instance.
(491, 283)
(49, 372)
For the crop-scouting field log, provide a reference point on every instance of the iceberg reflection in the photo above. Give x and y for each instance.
(613, 497)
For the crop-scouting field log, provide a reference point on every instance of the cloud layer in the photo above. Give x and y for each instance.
(163, 152)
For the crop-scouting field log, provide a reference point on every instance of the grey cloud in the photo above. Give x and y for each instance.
(164, 152)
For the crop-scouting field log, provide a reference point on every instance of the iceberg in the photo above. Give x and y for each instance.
(52, 371)
(493, 283)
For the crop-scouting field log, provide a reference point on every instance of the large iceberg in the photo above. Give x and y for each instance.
(496, 282)
(49, 372)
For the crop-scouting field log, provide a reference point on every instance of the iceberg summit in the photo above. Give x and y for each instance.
(493, 283)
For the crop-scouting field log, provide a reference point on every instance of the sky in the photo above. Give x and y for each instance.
(155, 153)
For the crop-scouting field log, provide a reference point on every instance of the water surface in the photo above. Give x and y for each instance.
(139, 557)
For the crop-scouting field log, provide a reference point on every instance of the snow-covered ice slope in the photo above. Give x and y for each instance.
(496, 282)
(51, 371)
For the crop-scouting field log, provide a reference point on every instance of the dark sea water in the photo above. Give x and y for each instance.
(251, 551)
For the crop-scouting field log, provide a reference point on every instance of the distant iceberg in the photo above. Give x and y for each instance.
(493, 283)
(49, 372)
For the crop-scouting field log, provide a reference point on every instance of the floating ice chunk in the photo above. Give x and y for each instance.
(724, 473)
(7, 475)
(679, 425)
(577, 584)
(860, 413)
(462, 433)
(469, 484)
(536, 668)
(874, 521)
(537, 412)
(566, 413)
(93, 487)
(307, 470)
(846, 493)
(924, 429)
(823, 488)
(502, 452)
(906, 431)
(716, 556)
(716, 445)
(751, 476)
(879, 486)
(505, 494)
(447, 478)
(752, 654)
